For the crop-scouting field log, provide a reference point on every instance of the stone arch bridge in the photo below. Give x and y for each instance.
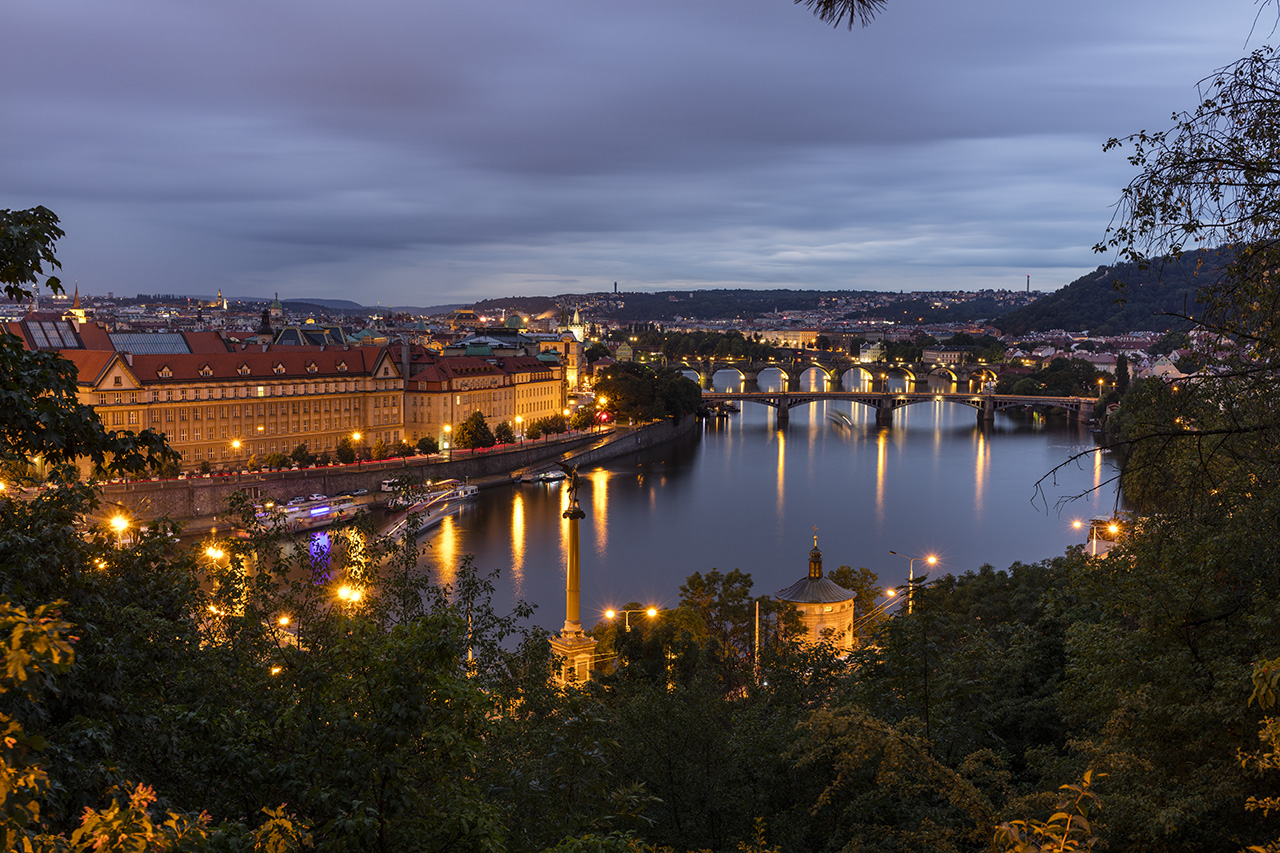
(887, 402)
(834, 367)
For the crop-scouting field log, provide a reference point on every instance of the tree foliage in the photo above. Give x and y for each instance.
(473, 432)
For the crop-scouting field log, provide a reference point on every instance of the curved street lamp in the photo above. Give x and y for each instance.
(626, 615)
(911, 574)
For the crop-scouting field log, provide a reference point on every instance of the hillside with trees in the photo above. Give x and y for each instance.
(1121, 298)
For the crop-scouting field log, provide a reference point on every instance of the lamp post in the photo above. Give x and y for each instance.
(1101, 382)
(448, 445)
(520, 429)
(119, 523)
(911, 574)
(626, 615)
(355, 444)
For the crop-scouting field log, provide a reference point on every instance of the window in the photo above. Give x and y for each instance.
(133, 418)
(206, 370)
(164, 372)
(243, 370)
(117, 380)
(117, 419)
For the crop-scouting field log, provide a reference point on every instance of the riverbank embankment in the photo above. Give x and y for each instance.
(199, 503)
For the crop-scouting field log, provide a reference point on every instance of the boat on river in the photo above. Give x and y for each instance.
(431, 509)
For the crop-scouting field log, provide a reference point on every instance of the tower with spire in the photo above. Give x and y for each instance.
(826, 609)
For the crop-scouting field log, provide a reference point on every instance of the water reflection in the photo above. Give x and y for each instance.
(517, 543)
(746, 493)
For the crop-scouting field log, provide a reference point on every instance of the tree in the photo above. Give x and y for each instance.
(302, 456)
(1122, 373)
(428, 445)
(835, 12)
(503, 433)
(28, 239)
(345, 451)
(473, 432)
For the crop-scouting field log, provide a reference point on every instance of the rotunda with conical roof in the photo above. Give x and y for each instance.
(825, 607)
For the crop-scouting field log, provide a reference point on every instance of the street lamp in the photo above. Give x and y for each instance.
(119, 523)
(448, 445)
(520, 429)
(1101, 382)
(626, 615)
(355, 443)
(911, 573)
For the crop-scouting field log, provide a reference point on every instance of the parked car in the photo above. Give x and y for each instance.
(295, 500)
(317, 497)
(356, 493)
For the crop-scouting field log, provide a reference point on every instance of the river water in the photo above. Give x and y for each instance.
(746, 494)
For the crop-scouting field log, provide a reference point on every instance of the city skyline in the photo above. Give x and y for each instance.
(419, 155)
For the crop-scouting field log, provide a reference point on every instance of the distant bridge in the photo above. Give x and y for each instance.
(834, 367)
(887, 402)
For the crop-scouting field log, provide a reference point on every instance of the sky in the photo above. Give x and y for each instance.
(430, 152)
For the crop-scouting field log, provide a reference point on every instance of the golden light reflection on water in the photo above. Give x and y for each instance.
(982, 461)
(1097, 468)
(563, 557)
(447, 546)
(600, 509)
(882, 459)
(517, 542)
(782, 472)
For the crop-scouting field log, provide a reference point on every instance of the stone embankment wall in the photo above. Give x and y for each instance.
(633, 440)
(200, 497)
(204, 496)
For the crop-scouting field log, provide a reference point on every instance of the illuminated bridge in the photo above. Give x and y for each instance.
(887, 402)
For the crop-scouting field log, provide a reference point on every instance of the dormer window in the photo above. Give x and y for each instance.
(243, 370)
(342, 367)
(164, 372)
(311, 367)
(278, 369)
(206, 370)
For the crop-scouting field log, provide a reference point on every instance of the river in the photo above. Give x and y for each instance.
(744, 494)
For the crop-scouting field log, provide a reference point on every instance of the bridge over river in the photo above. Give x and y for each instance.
(838, 371)
(887, 402)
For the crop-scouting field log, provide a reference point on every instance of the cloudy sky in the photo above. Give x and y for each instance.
(430, 151)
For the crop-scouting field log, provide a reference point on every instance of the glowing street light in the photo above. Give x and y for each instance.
(626, 615)
(349, 594)
(355, 442)
(520, 429)
(448, 445)
(911, 573)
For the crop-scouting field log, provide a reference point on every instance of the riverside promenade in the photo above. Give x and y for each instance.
(199, 504)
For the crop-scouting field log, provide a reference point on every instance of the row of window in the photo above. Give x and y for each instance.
(116, 398)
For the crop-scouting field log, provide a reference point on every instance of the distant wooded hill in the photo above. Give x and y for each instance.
(1113, 300)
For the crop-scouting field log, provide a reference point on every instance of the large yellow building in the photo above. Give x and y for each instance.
(444, 390)
(220, 403)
